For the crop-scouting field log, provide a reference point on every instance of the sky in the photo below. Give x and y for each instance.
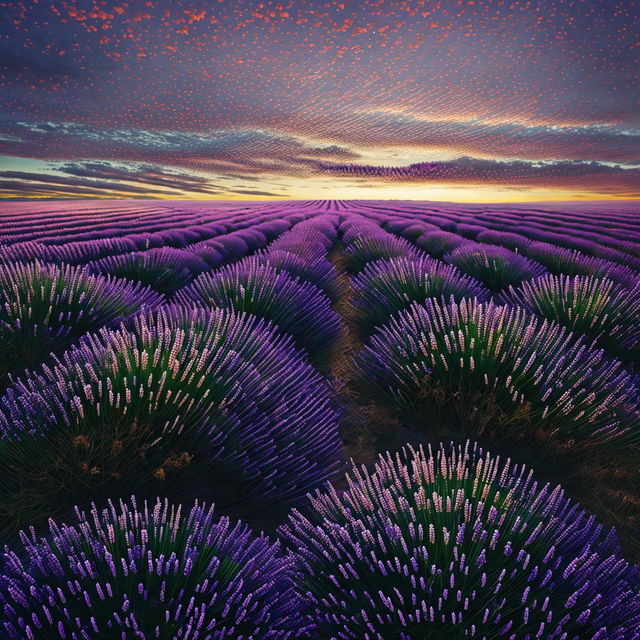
(458, 100)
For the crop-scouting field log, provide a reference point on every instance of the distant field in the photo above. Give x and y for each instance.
(246, 354)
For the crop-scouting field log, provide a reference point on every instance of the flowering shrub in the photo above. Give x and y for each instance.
(44, 308)
(185, 399)
(148, 571)
(382, 246)
(482, 354)
(385, 287)
(590, 306)
(297, 308)
(165, 269)
(437, 243)
(458, 544)
(319, 272)
(496, 267)
(571, 262)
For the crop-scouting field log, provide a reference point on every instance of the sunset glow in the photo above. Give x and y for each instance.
(452, 100)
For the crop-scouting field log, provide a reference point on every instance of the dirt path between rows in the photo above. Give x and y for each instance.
(366, 424)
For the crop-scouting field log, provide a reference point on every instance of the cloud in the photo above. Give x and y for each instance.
(99, 178)
(254, 192)
(19, 189)
(244, 94)
(396, 128)
(478, 171)
(167, 163)
(144, 174)
(225, 151)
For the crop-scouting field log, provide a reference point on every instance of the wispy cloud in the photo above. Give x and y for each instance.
(477, 171)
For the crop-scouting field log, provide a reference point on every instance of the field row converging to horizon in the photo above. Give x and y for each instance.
(322, 420)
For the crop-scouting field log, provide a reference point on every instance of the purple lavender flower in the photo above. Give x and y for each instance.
(319, 272)
(437, 243)
(486, 355)
(595, 307)
(148, 571)
(21, 252)
(297, 308)
(311, 245)
(165, 269)
(356, 226)
(273, 228)
(571, 262)
(385, 287)
(456, 544)
(232, 245)
(495, 266)
(513, 241)
(80, 252)
(44, 308)
(214, 400)
(469, 230)
(207, 253)
(369, 247)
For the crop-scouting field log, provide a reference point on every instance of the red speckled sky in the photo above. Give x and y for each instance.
(455, 100)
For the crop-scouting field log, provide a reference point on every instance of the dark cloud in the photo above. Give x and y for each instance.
(146, 174)
(98, 178)
(226, 152)
(30, 64)
(46, 178)
(19, 189)
(478, 171)
(532, 141)
(253, 192)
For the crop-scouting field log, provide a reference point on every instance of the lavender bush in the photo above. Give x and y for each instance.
(571, 262)
(148, 571)
(458, 544)
(595, 307)
(385, 287)
(495, 266)
(297, 308)
(437, 243)
(44, 308)
(210, 403)
(382, 246)
(480, 357)
(165, 269)
(319, 272)
(310, 246)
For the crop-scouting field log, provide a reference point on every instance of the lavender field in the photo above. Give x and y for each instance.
(332, 420)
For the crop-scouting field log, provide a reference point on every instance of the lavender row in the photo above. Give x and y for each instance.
(456, 544)
(44, 308)
(74, 224)
(389, 275)
(438, 334)
(600, 302)
(449, 541)
(288, 284)
(501, 365)
(46, 304)
(518, 236)
(191, 392)
(178, 402)
(231, 245)
(617, 238)
(606, 312)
